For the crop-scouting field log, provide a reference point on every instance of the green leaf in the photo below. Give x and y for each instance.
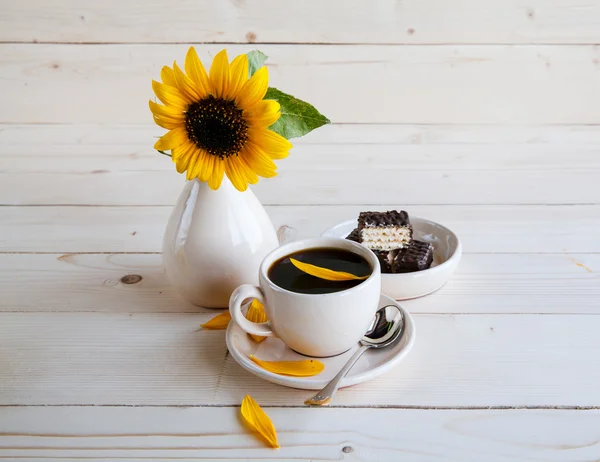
(256, 59)
(297, 117)
(164, 153)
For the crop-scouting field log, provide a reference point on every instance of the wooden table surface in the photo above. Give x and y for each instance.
(482, 115)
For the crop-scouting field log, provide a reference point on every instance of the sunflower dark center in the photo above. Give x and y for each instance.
(217, 126)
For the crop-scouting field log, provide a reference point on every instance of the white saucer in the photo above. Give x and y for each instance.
(370, 365)
(446, 255)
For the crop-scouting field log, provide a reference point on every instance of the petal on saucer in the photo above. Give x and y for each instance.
(302, 368)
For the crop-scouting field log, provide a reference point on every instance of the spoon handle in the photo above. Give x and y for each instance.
(324, 397)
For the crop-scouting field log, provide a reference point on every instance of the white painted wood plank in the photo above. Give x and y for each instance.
(338, 21)
(122, 140)
(305, 434)
(35, 170)
(375, 84)
(501, 229)
(82, 229)
(327, 157)
(379, 179)
(483, 283)
(160, 359)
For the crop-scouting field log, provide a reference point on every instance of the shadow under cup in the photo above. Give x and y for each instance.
(326, 324)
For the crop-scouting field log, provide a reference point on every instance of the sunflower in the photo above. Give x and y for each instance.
(218, 122)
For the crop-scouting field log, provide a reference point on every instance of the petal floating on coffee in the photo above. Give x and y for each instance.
(324, 273)
(256, 313)
(258, 420)
(220, 321)
(302, 368)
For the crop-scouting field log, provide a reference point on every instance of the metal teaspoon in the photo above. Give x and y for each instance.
(381, 333)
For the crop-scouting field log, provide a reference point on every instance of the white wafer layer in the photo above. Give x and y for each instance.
(388, 238)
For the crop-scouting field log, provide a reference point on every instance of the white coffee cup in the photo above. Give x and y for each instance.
(312, 324)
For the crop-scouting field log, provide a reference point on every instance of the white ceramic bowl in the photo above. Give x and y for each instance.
(446, 255)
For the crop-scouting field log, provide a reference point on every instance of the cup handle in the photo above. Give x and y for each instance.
(241, 294)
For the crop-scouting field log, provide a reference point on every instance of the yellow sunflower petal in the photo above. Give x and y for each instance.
(259, 421)
(185, 84)
(325, 273)
(238, 72)
(254, 90)
(263, 114)
(169, 95)
(270, 142)
(197, 164)
(167, 76)
(181, 151)
(195, 70)
(219, 74)
(215, 180)
(172, 139)
(166, 123)
(207, 167)
(181, 164)
(194, 166)
(251, 175)
(169, 120)
(177, 153)
(256, 313)
(244, 168)
(166, 112)
(260, 162)
(302, 368)
(220, 321)
(235, 174)
(202, 160)
(182, 157)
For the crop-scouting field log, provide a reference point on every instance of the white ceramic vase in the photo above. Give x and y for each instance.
(215, 241)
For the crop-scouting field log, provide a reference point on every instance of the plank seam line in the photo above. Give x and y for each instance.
(68, 252)
(382, 204)
(85, 172)
(120, 458)
(295, 406)
(315, 43)
(217, 310)
(390, 124)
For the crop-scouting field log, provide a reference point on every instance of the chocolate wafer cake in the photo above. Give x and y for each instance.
(353, 236)
(386, 259)
(384, 230)
(389, 236)
(416, 256)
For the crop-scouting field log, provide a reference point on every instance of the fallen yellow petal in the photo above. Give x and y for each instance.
(324, 273)
(303, 368)
(220, 321)
(256, 313)
(256, 418)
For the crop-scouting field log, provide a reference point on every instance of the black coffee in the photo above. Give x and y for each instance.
(284, 274)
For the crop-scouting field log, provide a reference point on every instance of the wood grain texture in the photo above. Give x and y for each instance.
(45, 164)
(131, 140)
(492, 131)
(326, 174)
(338, 21)
(483, 283)
(161, 359)
(305, 434)
(355, 83)
(496, 229)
